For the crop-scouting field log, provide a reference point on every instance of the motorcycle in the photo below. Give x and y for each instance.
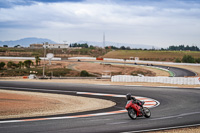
(134, 110)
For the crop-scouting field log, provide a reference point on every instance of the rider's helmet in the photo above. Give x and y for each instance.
(128, 96)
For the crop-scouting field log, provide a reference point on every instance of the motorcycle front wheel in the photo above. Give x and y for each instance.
(132, 114)
(147, 112)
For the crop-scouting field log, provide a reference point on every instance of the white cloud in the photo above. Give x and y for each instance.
(153, 24)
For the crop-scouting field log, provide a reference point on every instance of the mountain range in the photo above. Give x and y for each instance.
(25, 42)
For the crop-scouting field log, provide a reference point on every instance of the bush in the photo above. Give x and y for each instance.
(178, 60)
(84, 73)
(28, 63)
(12, 65)
(2, 64)
(145, 73)
(188, 59)
(197, 60)
(58, 72)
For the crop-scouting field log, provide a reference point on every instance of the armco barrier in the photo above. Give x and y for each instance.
(168, 80)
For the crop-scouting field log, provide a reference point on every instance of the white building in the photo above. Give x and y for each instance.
(47, 45)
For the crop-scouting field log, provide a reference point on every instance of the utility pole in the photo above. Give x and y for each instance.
(104, 40)
(44, 46)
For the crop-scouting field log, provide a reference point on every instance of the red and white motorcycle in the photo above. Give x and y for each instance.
(134, 110)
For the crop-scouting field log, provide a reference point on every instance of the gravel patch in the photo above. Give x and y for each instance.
(16, 104)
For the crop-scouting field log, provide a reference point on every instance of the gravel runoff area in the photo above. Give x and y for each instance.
(181, 130)
(16, 104)
(96, 81)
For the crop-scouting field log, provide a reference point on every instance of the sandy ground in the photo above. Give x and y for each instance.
(182, 130)
(102, 68)
(99, 68)
(106, 67)
(15, 104)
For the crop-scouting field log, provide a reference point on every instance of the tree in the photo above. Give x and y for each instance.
(28, 63)
(122, 47)
(20, 64)
(16, 46)
(37, 60)
(182, 47)
(12, 65)
(2, 64)
(128, 48)
(5, 45)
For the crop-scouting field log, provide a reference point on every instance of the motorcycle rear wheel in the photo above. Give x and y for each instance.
(132, 114)
(147, 112)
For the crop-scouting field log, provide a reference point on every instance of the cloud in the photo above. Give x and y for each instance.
(56, 1)
(156, 22)
(12, 3)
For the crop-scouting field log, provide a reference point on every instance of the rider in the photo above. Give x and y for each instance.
(138, 102)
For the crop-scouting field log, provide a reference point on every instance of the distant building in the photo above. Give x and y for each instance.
(36, 45)
(49, 46)
(18, 46)
(75, 47)
(57, 46)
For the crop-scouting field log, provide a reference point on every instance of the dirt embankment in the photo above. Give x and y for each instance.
(93, 68)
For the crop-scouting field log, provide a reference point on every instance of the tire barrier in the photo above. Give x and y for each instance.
(168, 80)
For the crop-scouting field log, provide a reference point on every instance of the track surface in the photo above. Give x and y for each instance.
(178, 72)
(178, 107)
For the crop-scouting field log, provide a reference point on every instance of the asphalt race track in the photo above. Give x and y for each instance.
(178, 107)
(178, 72)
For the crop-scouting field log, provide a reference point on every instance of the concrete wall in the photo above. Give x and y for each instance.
(168, 80)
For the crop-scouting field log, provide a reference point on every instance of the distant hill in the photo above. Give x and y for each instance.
(107, 43)
(25, 42)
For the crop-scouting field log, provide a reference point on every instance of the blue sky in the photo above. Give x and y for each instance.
(153, 22)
